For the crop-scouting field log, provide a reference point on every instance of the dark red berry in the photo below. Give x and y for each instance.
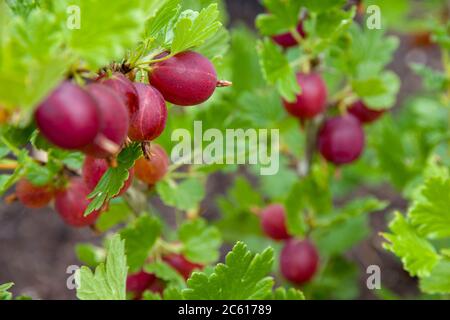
(68, 117)
(124, 88)
(33, 196)
(364, 114)
(286, 40)
(152, 170)
(312, 99)
(141, 281)
(341, 139)
(149, 121)
(94, 169)
(273, 222)
(182, 265)
(299, 261)
(114, 121)
(186, 79)
(71, 203)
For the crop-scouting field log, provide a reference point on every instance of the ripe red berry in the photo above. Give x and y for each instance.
(152, 170)
(114, 121)
(124, 89)
(33, 196)
(68, 117)
(273, 222)
(186, 79)
(299, 261)
(341, 139)
(94, 169)
(286, 40)
(141, 281)
(312, 99)
(71, 203)
(182, 265)
(149, 121)
(364, 114)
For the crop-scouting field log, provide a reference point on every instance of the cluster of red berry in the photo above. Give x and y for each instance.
(100, 118)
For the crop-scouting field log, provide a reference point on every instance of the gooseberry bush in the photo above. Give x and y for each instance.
(91, 95)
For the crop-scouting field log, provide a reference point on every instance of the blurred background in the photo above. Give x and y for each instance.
(36, 247)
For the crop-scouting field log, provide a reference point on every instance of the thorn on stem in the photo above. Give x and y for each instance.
(223, 83)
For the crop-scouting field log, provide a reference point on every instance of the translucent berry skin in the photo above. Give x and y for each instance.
(299, 261)
(185, 79)
(32, 196)
(141, 281)
(182, 265)
(341, 139)
(71, 203)
(312, 100)
(94, 169)
(69, 117)
(149, 121)
(286, 40)
(114, 119)
(273, 222)
(153, 170)
(124, 88)
(364, 114)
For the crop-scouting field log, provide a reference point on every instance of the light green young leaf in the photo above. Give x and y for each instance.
(287, 294)
(184, 196)
(201, 242)
(139, 238)
(165, 272)
(108, 281)
(439, 279)
(417, 254)
(242, 277)
(193, 29)
(4, 293)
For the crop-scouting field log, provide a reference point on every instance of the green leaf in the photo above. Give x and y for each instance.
(193, 28)
(294, 210)
(242, 277)
(276, 69)
(379, 93)
(283, 16)
(433, 80)
(108, 281)
(89, 254)
(104, 35)
(439, 279)
(4, 293)
(201, 242)
(139, 238)
(287, 294)
(418, 255)
(117, 212)
(184, 196)
(430, 214)
(114, 178)
(160, 25)
(165, 272)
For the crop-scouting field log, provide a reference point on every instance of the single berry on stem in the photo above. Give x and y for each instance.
(32, 196)
(341, 139)
(273, 222)
(114, 122)
(153, 169)
(69, 117)
(287, 40)
(312, 99)
(149, 121)
(299, 261)
(94, 169)
(186, 79)
(182, 265)
(363, 113)
(71, 203)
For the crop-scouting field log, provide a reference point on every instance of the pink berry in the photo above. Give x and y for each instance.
(364, 114)
(312, 99)
(299, 261)
(186, 79)
(286, 40)
(124, 89)
(94, 169)
(149, 121)
(69, 117)
(114, 121)
(341, 139)
(182, 265)
(71, 203)
(273, 222)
